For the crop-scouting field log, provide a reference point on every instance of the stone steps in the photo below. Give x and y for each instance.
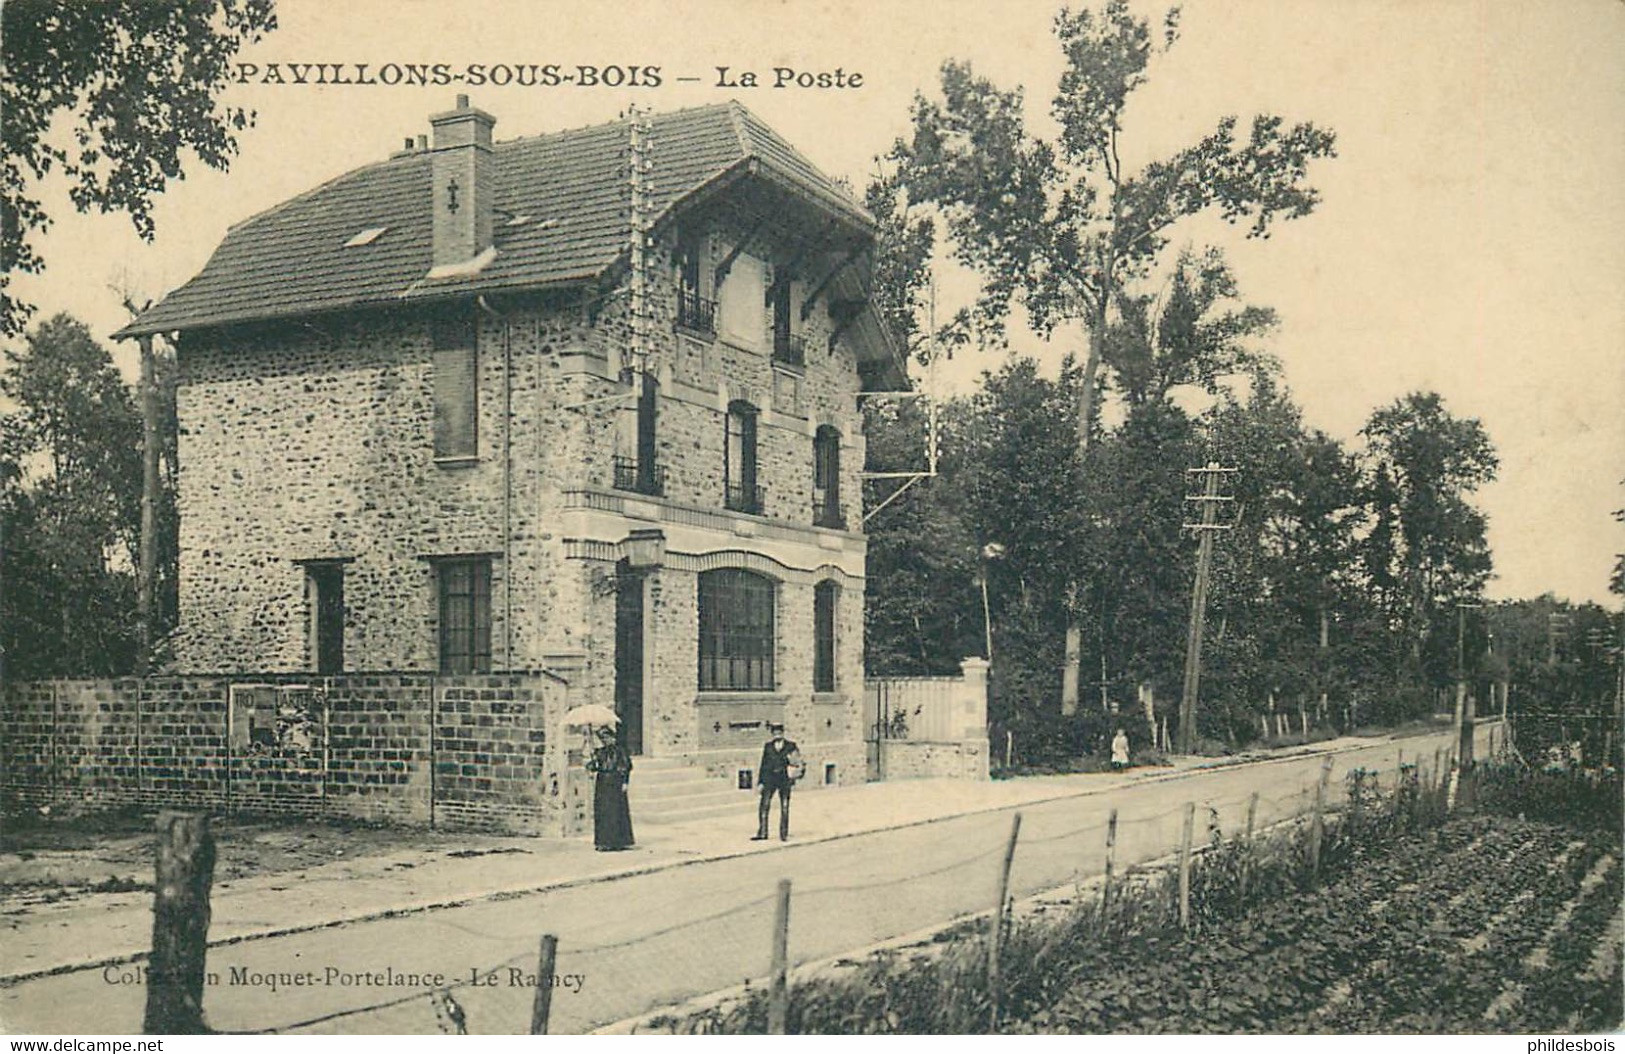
(670, 790)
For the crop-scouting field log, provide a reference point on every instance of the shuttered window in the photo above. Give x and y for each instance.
(827, 477)
(456, 384)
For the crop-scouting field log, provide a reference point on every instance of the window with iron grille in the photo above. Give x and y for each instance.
(742, 493)
(736, 631)
(826, 600)
(827, 478)
(456, 384)
(636, 468)
(788, 347)
(465, 615)
(696, 310)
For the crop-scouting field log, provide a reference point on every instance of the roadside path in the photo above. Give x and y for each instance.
(693, 917)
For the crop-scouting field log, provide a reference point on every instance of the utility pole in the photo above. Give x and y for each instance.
(1464, 716)
(1556, 626)
(146, 586)
(1209, 500)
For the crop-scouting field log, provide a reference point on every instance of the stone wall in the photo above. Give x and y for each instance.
(314, 441)
(453, 752)
(905, 759)
(930, 727)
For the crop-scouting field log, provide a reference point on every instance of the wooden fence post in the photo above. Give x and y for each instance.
(778, 996)
(1247, 859)
(1317, 826)
(1111, 860)
(180, 925)
(1185, 866)
(997, 933)
(542, 1006)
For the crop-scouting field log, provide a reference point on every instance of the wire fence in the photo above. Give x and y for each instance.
(616, 967)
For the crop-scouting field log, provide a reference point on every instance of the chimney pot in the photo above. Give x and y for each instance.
(462, 102)
(408, 143)
(423, 142)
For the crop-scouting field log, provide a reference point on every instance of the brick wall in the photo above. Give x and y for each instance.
(455, 752)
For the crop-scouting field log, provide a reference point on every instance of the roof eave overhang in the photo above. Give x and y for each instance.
(416, 296)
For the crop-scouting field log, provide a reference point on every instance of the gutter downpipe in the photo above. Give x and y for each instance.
(507, 478)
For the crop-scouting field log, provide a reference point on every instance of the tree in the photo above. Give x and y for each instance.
(1061, 227)
(70, 513)
(138, 81)
(921, 612)
(1432, 463)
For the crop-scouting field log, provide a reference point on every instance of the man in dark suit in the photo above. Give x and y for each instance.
(780, 768)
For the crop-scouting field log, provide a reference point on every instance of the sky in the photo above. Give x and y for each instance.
(1470, 240)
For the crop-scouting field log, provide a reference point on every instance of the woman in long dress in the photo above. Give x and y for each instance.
(611, 816)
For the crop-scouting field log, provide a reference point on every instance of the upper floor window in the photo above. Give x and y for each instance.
(636, 465)
(324, 589)
(741, 315)
(465, 615)
(456, 384)
(742, 492)
(827, 478)
(826, 599)
(696, 310)
(736, 631)
(788, 345)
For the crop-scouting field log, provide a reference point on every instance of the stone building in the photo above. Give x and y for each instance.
(583, 403)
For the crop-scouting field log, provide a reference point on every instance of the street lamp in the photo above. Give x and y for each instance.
(990, 552)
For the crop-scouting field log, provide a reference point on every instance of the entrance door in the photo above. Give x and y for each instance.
(629, 657)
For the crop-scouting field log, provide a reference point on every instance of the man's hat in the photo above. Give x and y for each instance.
(774, 726)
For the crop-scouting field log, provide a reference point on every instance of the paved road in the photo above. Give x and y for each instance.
(641, 942)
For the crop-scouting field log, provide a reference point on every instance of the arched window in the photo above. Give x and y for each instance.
(827, 478)
(736, 631)
(826, 601)
(742, 493)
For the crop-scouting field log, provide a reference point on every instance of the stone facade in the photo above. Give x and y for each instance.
(313, 441)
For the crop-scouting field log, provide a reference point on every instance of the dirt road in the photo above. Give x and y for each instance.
(640, 942)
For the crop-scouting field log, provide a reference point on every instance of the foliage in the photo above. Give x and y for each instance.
(1061, 228)
(1406, 918)
(137, 83)
(922, 609)
(1434, 552)
(71, 511)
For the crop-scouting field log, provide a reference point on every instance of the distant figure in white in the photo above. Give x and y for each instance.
(1120, 750)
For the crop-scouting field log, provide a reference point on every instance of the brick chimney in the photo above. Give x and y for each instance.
(464, 183)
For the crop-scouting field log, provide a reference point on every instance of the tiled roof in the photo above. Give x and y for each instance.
(292, 259)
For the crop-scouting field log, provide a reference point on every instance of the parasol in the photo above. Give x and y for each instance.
(589, 715)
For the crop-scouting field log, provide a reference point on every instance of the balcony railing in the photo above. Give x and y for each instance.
(639, 478)
(790, 348)
(827, 514)
(696, 312)
(745, 499)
